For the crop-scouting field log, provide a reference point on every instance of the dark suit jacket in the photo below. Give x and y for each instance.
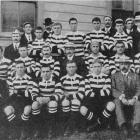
(24, 40)
(81, 67)
(111, 32)
(120, 86)
(11, 53)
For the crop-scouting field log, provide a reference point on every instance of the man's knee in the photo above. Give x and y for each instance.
(75, 105)
(9, 110)
(83, 110)
(27, 110)
(110, 106)
(35, 105)
(52, 106)
(65, 105)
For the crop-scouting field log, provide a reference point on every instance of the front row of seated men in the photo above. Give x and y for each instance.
(73, 102)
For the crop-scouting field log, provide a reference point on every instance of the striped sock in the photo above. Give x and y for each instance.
(11, 117)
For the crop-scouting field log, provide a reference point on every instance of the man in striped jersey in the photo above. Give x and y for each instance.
(48, 60)
(37, 44)
(46, 102)
(97, 34)
(120, 35)
(18, 104)
(114, 60)
(57, 40)
(5, 67)
(98, 105)
(29, 62)
(76, 37)
(126, 89)
(95, 54)
(72, 89)
(70, 55)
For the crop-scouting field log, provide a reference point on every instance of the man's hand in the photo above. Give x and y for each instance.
(138, 70)
(132, 101)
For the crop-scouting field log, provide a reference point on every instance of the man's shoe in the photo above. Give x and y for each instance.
(96, 126)
(124, 129)
(136, 129)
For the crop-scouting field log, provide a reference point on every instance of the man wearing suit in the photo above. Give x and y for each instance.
(11, 52)
(48, 28)
(126, 89)
(69, 55)
(28, 36)
(110, 31)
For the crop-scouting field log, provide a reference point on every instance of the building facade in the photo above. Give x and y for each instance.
(15, 13)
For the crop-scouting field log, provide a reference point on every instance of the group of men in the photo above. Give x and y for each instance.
(67, 84)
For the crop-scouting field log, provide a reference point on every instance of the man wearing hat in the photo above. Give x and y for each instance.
(126, 89)
(70, 55)
(136, 38)
(28, 36)
(110, 31)
(129, 25)
(120, 35)
(48, 27)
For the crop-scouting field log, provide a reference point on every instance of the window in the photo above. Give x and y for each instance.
(15, 13)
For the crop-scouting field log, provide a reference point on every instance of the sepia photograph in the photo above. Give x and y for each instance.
(69, 69)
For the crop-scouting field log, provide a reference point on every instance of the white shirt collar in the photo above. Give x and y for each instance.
(27, 36)
(16, 45)
(70, 57)
(96, 31)
(125, 74)
(107, 29)
(46, 81)
(39, 40)
(18, 77)
(47, 59)
(71, 77)
(99, 55)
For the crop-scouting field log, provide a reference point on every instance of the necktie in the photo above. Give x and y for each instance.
(29, 38)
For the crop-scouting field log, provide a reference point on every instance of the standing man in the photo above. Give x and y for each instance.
(126, 89)
(136, 38)
(11, 52)
(48, 28)
(76, 37)
(28, 36)
(110, 31)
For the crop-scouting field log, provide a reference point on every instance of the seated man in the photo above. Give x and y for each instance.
(28, 62)
(18, 104)
(49, 60)
(70, 55)
(95, 54)
(126, 89)
(114, 60)
(98, 104)
(71, 89)
(46, 102)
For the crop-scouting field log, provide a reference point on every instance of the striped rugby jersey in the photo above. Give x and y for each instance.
(57, 40)
(37, 44)
(21, 84)
(90, 59)
(46, 88)
(54, 64)
(99, 36)
(137, 61)
(71, 85)
(121, 37)
(78, 38)
(5, 68)
(100, 84)
(29, 64)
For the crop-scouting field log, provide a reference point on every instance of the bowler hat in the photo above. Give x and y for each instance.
(48, 21)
